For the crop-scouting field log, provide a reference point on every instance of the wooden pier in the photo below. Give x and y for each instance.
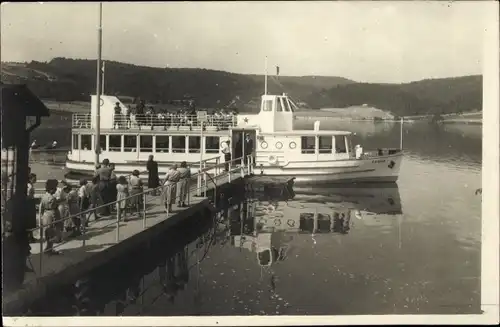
(107, 238)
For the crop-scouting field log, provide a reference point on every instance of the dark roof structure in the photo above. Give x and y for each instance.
(19, 98)
(16, 103)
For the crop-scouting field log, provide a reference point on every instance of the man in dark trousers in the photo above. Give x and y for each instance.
(104, 175)
(153, 178)
(248, 147)
(226, 150)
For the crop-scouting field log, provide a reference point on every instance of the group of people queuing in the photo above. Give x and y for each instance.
(128, 117)
(64, 208)
(175, 183)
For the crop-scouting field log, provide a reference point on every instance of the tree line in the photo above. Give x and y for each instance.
(75, 79)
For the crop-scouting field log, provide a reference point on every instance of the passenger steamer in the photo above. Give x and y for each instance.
(311, 156)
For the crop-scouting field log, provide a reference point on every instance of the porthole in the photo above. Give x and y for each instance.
(279, 145)
(293, 145)
(263, 144)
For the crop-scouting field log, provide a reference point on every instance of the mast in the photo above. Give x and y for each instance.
(103, 73)
(98, 89)
(401, 135)
(265, 79)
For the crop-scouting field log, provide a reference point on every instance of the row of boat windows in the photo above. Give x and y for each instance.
(325, 144)
(144, 143)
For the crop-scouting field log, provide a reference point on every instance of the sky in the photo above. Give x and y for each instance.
(376, 42)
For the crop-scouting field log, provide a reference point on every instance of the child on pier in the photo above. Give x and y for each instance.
(121, 197)
(95, 198)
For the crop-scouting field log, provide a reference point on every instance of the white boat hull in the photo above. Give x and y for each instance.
(376, 169)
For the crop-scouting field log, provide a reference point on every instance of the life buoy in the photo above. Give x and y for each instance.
(277, 222)
(273, 160)
(290, 223)
(101, 102)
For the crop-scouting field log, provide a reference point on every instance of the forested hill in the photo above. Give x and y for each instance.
(433, 96)
(64, 79)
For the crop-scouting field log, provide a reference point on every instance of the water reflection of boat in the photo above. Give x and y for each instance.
(268, 227)
(381, 198)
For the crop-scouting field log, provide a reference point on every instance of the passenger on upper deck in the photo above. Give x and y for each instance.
(139, 113)
(117, 119)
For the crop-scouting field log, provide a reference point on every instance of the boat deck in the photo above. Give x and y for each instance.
(104, 239)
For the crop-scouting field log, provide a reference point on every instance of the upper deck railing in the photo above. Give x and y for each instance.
(161, 121)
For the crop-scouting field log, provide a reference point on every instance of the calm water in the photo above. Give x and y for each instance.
(413, 247)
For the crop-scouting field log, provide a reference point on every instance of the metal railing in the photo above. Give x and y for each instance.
(244, 166)
(161, 121)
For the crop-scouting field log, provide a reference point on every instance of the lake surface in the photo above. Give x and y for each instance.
(411, 247)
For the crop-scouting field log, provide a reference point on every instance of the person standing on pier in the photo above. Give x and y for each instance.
(153, 178)
(121, 198)
(184, 178)
(63, 207)
(113, 181)
(226, 150)
(74, 210)
(136, 188)
(104, 174)
(31, 207)
(83, 201)
(50, 214)
(95, 199)
(170, 189)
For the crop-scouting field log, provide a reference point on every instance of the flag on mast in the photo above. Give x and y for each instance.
(277, 70)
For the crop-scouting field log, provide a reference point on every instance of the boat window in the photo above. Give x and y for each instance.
(115, 143)
(212, 144)
(325, 144)
(194, 143)
(306, 222)
(178, 144)
(308, 144)
(146, 143)
(86, 141)
(279, 107)
(162, 143)
(75, 142)
(324, 223)
(267, 105)
(102, 142)
(130, 143)
(340, 144)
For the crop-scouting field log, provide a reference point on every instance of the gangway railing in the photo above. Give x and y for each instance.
(242, 165)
